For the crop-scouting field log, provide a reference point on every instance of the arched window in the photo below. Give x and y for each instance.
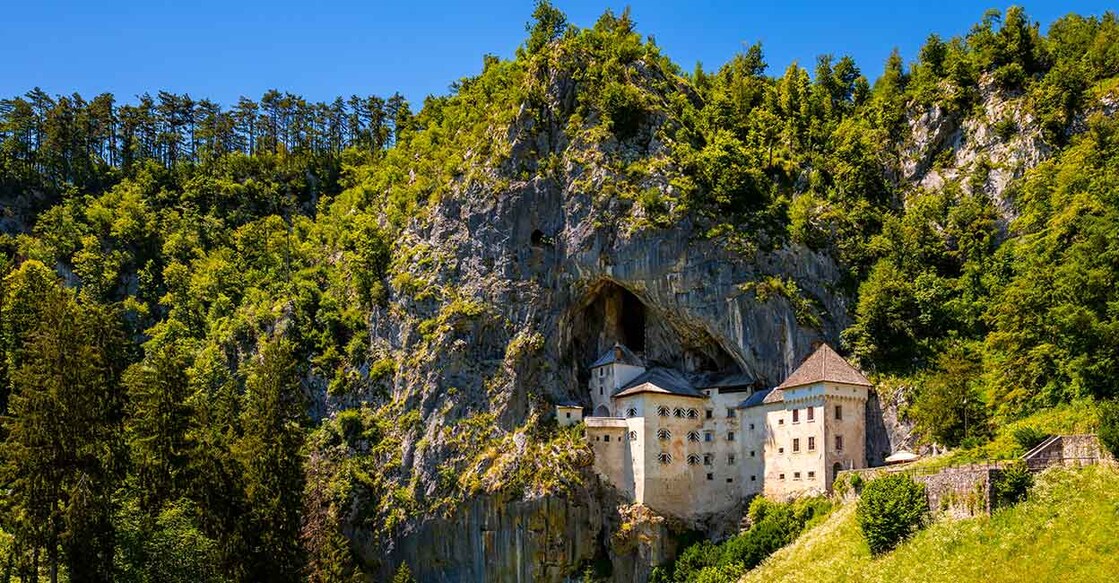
(631, 412)
(693, 436)
(678, 413)
(633, 436)
(664, 434)
(693, 460)
(693, 414)
(664, 458)
(662, 411)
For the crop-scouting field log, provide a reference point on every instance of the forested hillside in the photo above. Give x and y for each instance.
(273, 340)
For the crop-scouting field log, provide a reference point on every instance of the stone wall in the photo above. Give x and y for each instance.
(958, 492)
(1065, 450)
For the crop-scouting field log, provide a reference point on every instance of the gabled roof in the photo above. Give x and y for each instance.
(659, 380)
(617, 354)
(824, 365)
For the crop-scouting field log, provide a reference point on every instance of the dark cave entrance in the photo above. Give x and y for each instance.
(607, 313)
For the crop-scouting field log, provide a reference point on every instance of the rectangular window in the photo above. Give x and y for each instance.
(729, 480)
(780, 450)
(838, 443)
(710, 413)
(708, 436)
(710, 476)
(796, 445)
(730, 413)
(730, 459)
(796, 415)
(796, 475)
(568, 414)
(811, 413)
(751, 453)
(708, 459)
(601, 372)
(606, 438)
(811, 444)
(781, 421)
(782, 476)
(751, 427)
(753, 478)
(811, 475)
(839, 412)
(730, 436)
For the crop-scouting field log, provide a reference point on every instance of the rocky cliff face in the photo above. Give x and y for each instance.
(545, 272)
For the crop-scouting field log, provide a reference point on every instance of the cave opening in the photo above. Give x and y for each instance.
(607, 312)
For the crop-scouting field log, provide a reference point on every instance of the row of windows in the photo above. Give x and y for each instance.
(810, 415)
(665, 434)
(796, 475)
(812, 444)
(693, 459)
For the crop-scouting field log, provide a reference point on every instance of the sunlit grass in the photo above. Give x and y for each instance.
(1065, 531)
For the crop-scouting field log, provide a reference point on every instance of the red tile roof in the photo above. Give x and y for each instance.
(824, 365)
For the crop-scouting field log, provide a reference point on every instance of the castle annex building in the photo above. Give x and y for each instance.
(692, 451)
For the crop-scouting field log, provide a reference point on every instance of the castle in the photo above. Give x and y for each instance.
(694, 451)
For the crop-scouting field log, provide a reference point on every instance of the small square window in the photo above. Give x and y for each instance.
(710, 414)
(710, 476)
(751, 427)
(708, 436)
(729, 480)
(781, 421)
(568, 414)
(780, 450)
(753, 478)
(782, 476)
(597, 438)
(730, 459)
(606, 438)
(811, 475)
(708, 459)
(796, 475)
(730, 413)
(730, 436)
(751, 453)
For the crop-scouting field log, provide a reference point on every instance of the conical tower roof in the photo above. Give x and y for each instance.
(824, 365)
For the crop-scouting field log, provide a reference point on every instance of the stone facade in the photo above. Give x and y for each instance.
(696, 452)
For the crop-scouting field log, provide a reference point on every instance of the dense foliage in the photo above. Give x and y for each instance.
(184, 284)
(890, 509)
(772, 526)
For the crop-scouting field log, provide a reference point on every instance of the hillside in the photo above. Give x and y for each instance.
(285, 340)
(1062, 532)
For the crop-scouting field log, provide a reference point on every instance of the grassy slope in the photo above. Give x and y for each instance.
(1065, 531)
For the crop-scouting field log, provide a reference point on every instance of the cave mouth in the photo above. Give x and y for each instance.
(608, 312)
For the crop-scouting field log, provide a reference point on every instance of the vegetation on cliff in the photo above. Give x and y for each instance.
(228, 336)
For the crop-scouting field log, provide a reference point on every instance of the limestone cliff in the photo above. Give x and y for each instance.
(515, 279)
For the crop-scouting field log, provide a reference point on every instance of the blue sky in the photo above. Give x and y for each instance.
(225, 49)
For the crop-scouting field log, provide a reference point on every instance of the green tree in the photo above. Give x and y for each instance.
(269, 453)
(890, 509)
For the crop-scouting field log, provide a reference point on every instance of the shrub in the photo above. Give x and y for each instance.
(1011, 485)
(890, 510)
(1109, 427)
(1028, 437)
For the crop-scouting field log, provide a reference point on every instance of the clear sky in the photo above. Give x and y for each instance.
(320, 49)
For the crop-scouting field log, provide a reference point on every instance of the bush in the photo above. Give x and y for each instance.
(1011, 485)
(891, 509)
(1028, 437)
(1109, 427)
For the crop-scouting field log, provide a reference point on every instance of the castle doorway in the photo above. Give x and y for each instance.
(601, 411)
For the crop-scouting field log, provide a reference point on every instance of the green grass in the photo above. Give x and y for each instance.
(1064, 531)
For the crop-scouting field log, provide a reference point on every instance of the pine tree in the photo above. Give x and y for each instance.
(269, 454)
